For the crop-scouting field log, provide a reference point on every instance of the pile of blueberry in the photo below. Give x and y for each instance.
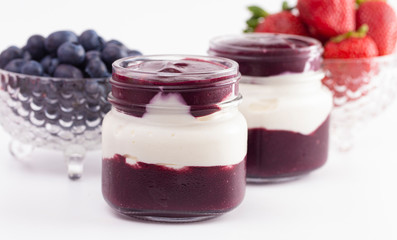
(63, 54)
(73, 97)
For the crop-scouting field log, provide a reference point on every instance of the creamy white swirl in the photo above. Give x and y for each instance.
(291, 102)
(176, 140)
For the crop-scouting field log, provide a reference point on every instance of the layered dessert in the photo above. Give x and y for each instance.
(286, 107)
(288, 127)
(174, 143)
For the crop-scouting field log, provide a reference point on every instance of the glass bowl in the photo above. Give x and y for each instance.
(362, 89)
(54, 113)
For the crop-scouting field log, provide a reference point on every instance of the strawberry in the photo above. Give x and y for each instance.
(347, 78)
(382, 22)
(327, 18)
(282, 22)
(351, 45)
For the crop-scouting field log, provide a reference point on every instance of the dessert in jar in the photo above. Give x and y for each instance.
(174, 142)
(286, 106)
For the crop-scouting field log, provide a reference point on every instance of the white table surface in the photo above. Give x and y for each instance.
(354, 196)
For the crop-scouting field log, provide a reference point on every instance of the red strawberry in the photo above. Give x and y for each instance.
(382, 22)
(351, 45)
(348, 64)
(282, 22)
(327, 18)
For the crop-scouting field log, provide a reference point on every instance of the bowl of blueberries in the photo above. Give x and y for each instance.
(53, 93)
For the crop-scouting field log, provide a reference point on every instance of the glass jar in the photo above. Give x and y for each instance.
(286, 106)
(174, 142)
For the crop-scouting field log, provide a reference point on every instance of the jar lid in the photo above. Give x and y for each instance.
(174, 70)
(202, 83)
(269, 54)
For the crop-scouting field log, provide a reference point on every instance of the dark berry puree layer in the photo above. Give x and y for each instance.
(149, 187)
(278, 154)
(184, 77)
(270, 54)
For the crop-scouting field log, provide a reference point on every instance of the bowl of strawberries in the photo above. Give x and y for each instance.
(360, 63)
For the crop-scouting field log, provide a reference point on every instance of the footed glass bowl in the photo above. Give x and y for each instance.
(55, 113)
(362, 89)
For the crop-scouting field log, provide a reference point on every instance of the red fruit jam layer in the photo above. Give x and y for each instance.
(270, 54)
(142, 187)
(185, 77)
(283, 154)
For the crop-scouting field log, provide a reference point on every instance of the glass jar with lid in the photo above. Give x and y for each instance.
(174, 143)
(285, 104)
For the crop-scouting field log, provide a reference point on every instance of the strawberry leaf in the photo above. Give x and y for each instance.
(252, 22)
(286, 7)
(360, 33)
(257, 12)
(257, 15)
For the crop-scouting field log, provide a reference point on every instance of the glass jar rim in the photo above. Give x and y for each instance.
(297, 78)
(230, 70)
(314, 45)
(124, 106)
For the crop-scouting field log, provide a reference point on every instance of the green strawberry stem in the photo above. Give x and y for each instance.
(257, 15)
(286, 7)
(359, 2)
(258, 12)
(360, 33)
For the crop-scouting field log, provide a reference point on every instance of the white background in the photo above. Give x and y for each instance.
(353, 197)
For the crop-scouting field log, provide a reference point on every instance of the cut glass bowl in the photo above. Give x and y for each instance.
(54, 113)
(362, 89)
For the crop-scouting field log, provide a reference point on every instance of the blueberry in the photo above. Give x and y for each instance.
(92, 54)
(71, 53)
(32, 68)
(90, 40)
(35, 46)
(116, 42)
(25, 54)
(55, 39)
(45, 62)
(53, 65)
(67, 71)
(111, 53)
(68, 86)
(49, 64)
(15, 65)
(9, 54)
(95, 68)
(132, 53)
(91, 87)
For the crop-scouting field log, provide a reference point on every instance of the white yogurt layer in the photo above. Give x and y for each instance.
(294, 102)
(175, 139)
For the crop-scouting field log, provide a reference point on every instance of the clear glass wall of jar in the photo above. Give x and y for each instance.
(286, 106)
(174, 143)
